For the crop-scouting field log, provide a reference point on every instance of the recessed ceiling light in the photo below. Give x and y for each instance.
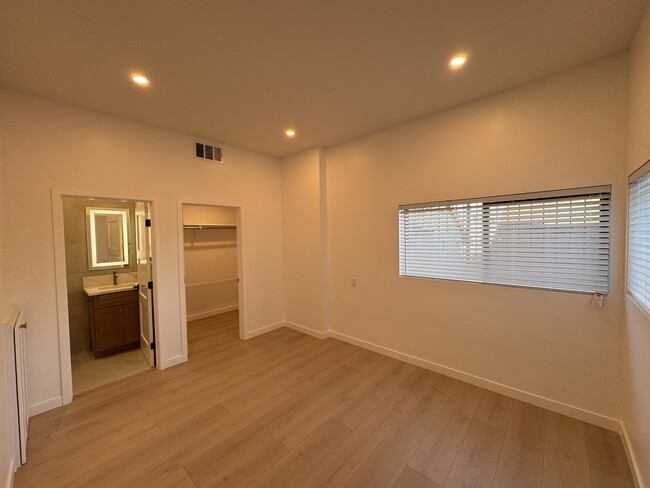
(290, 132)
(458, 61)
(140, 80)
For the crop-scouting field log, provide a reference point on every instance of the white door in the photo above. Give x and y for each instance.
(143, 256)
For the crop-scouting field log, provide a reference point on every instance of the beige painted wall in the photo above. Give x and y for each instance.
(76, 263)
(637, 331)
(78, 152)
(8, 415)
(303, 239)
(211, 266)
(564, 131)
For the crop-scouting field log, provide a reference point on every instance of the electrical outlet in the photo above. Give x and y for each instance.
(597, 300)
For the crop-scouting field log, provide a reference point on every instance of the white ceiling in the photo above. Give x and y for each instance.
(241, 71)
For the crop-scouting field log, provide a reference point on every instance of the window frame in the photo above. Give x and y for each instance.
(641, 172)
(493, 201)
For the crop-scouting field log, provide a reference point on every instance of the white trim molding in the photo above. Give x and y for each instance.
(307, 330)
(264, 330)
(631, 457)
(210, 313)
(173, 361)
(45, 405)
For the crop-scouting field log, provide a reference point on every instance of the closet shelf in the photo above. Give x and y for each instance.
(209, 226)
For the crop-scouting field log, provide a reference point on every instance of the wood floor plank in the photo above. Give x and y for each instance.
(237, 464)
(338, 467)
(412, 479)
(435, 455)
(522, 456)
(420, 381)
(494, 410)
(566, 464)
(377, 386)
(606, 453)
(386, 463)
(604, 480)
(477, 458)
(296, 464)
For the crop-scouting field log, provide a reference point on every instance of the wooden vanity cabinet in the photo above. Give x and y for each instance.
(114, 322)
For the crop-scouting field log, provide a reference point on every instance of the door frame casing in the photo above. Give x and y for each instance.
(61, 281)
(241, 265)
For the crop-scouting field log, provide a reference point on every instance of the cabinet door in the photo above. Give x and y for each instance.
(109, 329)
(131, 317)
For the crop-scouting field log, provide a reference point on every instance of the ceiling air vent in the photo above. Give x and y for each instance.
(205, 150)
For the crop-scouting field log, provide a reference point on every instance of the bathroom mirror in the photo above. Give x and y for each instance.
(107, 232)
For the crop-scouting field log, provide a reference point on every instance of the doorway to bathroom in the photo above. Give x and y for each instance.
(211, 255)
(109, 288)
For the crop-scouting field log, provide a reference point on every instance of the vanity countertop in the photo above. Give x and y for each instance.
(103, 284)
(104, 289)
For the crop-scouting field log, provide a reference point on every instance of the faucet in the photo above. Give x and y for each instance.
(114, 278)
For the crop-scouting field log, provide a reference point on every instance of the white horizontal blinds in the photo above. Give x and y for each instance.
(638, 255)
(556, 242)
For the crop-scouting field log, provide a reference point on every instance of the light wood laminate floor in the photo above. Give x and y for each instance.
(288, 410)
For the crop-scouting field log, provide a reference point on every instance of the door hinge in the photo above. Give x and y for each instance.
(152, 344)
(147, 222)
(150, 285)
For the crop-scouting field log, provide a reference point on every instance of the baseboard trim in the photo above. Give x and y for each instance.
(173, 361)
(631, 457)
(211, 313)
(306, 330)
(45, 405)
(263, 330)
(11, 469)
(524, 396)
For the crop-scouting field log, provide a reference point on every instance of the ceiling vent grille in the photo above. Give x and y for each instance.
(208, 151)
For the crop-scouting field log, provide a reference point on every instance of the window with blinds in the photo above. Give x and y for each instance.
(555, 240)
(638, 239)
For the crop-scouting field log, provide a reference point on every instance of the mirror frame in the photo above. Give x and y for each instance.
(92, 240)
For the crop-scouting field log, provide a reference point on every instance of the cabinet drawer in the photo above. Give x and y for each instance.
(112, 299)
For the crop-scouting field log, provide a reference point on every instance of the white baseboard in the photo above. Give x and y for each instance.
(263, 330)
(45, 405)
(173, 361)
(631, 457)
(11, 468)
(524, 396)
(210, 313)
(306, 330)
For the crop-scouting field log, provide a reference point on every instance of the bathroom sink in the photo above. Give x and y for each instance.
(103, 289)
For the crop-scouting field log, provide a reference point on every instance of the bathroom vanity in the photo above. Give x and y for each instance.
(113, 312)
(114, 322)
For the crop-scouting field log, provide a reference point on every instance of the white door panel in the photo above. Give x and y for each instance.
(143, 256)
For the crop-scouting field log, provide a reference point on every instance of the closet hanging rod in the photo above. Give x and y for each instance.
(209, 226)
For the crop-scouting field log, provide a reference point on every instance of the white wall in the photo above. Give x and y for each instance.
(50, 145)
(211, 266)
(304, 233)
(564, 131)
(637, 338)
(8, 414)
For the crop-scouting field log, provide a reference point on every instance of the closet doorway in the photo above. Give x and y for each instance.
(211, 259)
